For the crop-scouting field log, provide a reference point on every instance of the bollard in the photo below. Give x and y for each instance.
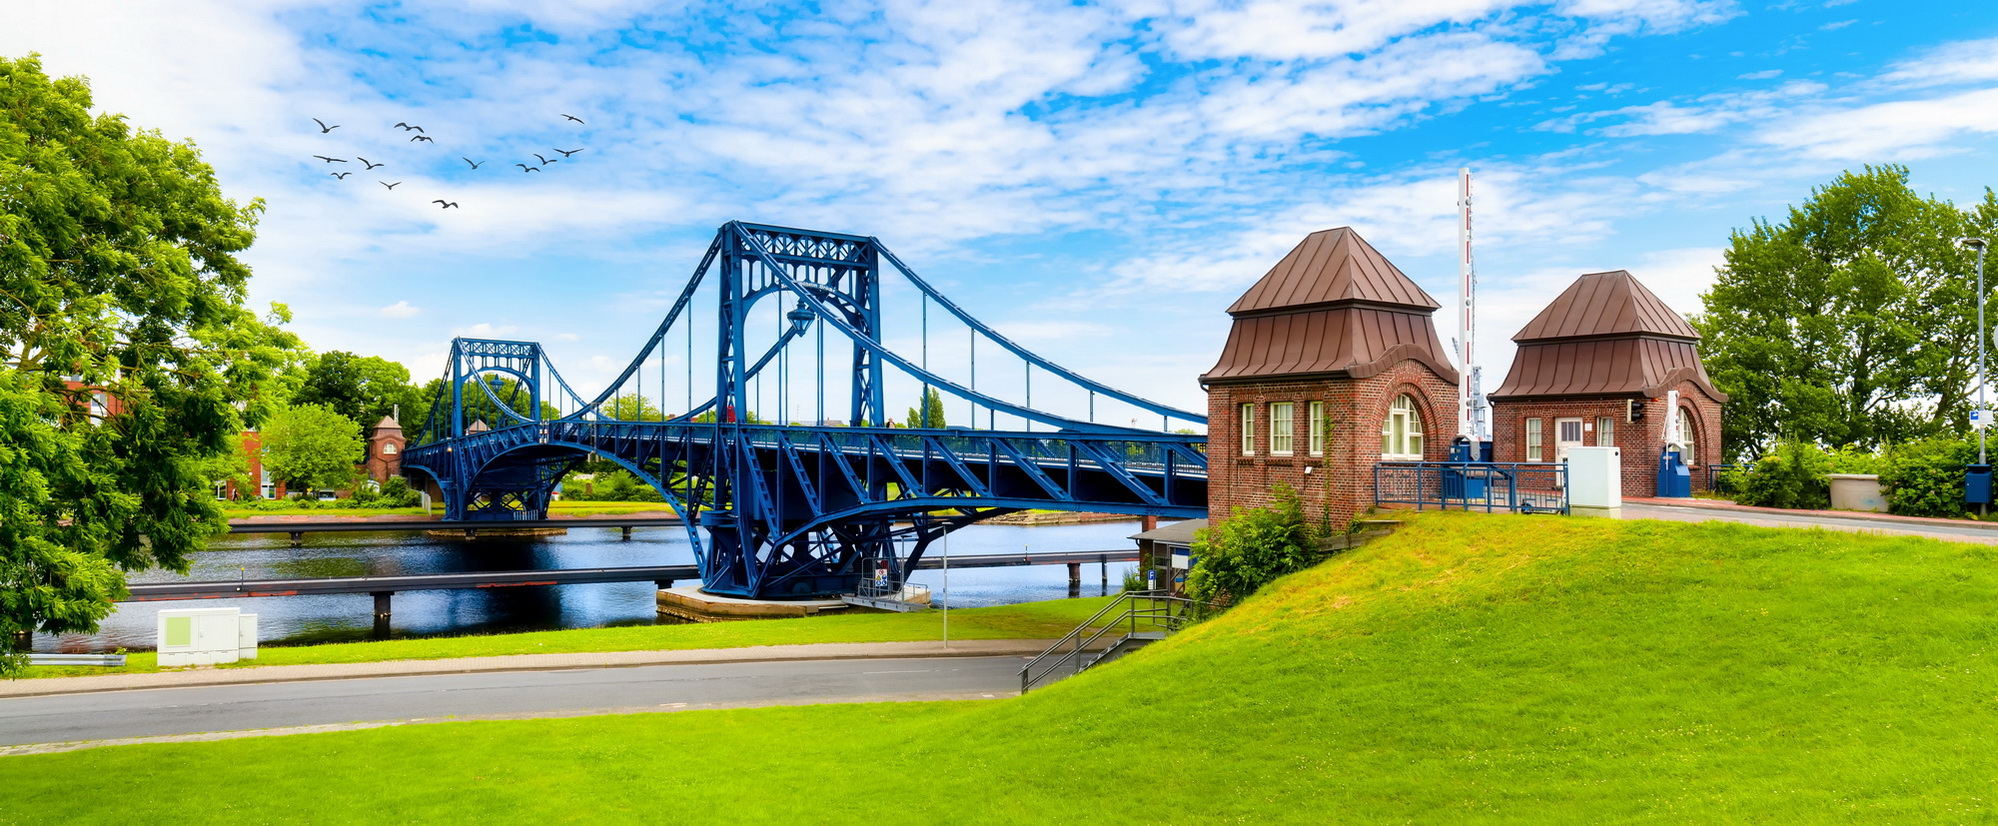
(382, 613)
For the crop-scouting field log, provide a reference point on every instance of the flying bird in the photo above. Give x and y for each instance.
(390, 185)
(469, 160)
(406, 127)
(568, 152)
(446, 204)
(330, 160)
(526, 168)
(421, 138)
(323, 128)
(370, 164)
(574, 118)
(537, 156)
(340, 175)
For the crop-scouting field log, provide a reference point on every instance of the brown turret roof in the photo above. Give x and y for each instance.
(1606, 335)
(1334, 305)
(1606, 304)
(388, 423)
(1331, 266)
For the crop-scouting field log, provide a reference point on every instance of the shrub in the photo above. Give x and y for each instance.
(1793, 476)
(1254, 547)
(616, 486)
(1925, 478)
(396, 493)
(1853, 459)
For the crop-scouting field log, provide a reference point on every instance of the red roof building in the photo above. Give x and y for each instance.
(1595, 368)
(1332, 364)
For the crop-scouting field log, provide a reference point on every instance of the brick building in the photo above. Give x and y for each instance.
(1332, 364)
(1595, 369)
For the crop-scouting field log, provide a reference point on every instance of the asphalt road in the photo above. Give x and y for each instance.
(1952, 533)
(176, 711)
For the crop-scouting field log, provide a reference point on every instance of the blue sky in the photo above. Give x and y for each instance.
(1097, 180)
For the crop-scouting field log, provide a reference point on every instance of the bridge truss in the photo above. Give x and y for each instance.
(784, 508)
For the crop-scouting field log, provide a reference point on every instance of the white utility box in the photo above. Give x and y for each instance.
(203, 636)
(246, 636)
(1595, 481)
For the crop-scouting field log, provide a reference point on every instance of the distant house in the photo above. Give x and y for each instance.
(385, 445)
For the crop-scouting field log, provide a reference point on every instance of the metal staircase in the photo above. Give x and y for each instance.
(1130, 622)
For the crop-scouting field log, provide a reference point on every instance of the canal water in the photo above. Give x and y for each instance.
(347, 617)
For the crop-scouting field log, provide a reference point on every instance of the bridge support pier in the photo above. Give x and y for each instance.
(297, 539)
(627, 538)
(1074, 579)
(382, 613)
(24, 641)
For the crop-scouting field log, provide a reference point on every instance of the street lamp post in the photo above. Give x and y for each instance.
(1979, 245)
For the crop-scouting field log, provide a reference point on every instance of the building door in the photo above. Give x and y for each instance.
(1567, 434)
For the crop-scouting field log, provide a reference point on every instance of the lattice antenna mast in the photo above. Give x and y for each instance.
(1470, 395)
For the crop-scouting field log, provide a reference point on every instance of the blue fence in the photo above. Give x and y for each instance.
(1493, 487)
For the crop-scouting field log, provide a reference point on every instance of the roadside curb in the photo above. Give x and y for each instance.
(1863, 516)
(48, 686)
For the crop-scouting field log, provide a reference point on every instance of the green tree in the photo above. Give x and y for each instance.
(118, 273)
(362, 388)
(631, 407)
(1252, 548)
(1852, 322)
(230, 465)
(311, 447)
(931, 413)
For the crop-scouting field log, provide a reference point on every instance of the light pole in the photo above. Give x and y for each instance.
(1979, 245)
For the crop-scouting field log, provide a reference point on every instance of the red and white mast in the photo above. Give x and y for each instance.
(1470, 397)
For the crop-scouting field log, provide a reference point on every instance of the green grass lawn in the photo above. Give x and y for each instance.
(1033, 620)
(1467, 669)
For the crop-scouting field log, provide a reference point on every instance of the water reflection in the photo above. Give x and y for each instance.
(349, 617)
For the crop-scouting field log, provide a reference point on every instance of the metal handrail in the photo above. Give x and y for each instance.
(1157, 609)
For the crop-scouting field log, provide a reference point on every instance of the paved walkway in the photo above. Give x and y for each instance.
(1709, 510)
(518, 662)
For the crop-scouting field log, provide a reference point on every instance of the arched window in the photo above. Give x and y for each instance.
(1401, 434)
(388, 449)
(1690, 455)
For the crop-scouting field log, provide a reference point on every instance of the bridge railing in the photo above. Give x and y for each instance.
(1493, 487)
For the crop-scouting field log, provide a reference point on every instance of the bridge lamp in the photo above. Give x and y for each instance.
(1979, 245)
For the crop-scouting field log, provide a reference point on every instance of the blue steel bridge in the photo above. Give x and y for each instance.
(783, 509)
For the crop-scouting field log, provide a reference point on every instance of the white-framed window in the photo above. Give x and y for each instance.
(1316, 410)
(1248, 430)
(1281, 431)
(1401, 434)
(1690, 456)
(1534, 452)
(1605, 431)
(388, 449)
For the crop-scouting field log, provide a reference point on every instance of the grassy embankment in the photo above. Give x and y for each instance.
(556, 510)
(1468, 668)
(1027, 621)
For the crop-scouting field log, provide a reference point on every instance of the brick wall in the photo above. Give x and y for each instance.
(1641, 441)
(1341, 482)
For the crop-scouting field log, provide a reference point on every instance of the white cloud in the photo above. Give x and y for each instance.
(1965, 61)
(485, 330)
(400, 309)
(1706, 113)
(1896, 130)
(1765, 74)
